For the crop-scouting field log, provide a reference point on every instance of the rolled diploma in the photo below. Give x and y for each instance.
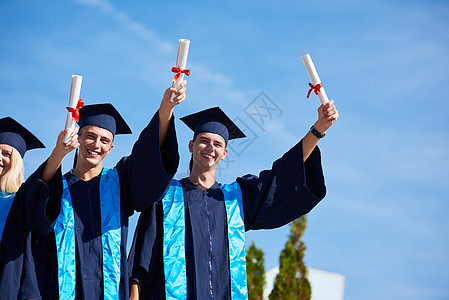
(75, 90)
(314, 77)
(181, 61)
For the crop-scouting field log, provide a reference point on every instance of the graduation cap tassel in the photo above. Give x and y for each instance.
(191, 164)
(75, 158)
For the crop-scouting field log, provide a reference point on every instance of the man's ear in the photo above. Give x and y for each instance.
(225, 153)
(191, 146)
(110, 149)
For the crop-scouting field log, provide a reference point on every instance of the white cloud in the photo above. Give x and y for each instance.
(214, 84)
(138, 28)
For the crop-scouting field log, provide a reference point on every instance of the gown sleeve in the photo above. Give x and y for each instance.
(147, 172)
(280, 195)
(15, 264)
(145, 259)
(43, 201)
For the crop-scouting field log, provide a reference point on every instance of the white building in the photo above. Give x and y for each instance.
(325, 285)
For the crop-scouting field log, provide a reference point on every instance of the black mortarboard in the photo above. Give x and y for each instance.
(104, 116)
(213, 120)
(17, 136)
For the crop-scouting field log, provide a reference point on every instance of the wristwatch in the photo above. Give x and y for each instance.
(316, 133)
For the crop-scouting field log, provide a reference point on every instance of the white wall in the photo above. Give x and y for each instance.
(325, 285)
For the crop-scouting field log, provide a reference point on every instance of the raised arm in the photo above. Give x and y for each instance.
(166, 108)
(59, 152)
(327, 115)
(153, 162)
(45, 188)
(293, 186)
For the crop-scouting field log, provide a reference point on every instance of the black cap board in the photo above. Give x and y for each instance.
(12, 133)
(104, 116)
(213, 120)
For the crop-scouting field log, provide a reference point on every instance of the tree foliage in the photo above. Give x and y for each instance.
(255, 272)
(292, 282)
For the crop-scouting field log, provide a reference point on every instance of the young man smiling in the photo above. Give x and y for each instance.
(207, 150)
(95, 143)
(191, 244)
(80, 251)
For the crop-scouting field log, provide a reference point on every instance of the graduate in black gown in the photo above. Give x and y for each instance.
(15, 140)
(82, 216)
(191, 244)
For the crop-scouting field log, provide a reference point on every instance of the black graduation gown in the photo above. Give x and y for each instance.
(144, 178)
(272, 199)
(16, 237)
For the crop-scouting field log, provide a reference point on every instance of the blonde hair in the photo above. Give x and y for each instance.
(13, 179)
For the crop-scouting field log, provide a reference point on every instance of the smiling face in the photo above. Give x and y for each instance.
(95, 144)
(5, 158)
(207, 150)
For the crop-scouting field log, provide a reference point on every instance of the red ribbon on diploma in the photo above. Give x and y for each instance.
(315, 88)
(178, 72)
(76, 111)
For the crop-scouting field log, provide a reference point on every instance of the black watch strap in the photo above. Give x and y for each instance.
(317, 133)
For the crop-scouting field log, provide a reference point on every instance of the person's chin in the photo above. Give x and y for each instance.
(211, 166)
(92, 162)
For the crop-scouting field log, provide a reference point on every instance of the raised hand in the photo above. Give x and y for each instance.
(59, 152)
(166, 108)
(327, 115)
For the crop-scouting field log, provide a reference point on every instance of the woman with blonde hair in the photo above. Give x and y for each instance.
(15, 140)
(11, 178)
(11, 171)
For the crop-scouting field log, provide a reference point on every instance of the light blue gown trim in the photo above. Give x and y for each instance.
(236, 236)
(65, 245)
(174, 242)
(5, 207)
(111, 238)
(110, 231)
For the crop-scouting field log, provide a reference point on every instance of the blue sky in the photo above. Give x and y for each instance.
(383, 223)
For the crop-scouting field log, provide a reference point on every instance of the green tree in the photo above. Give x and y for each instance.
(255, 272)
(291, 282)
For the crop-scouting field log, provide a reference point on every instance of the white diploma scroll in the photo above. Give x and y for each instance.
(314, 77)
(181, 61)
(75, 90)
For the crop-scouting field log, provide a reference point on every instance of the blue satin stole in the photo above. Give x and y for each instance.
(111, 238)
(5, 206)
(174, 241)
